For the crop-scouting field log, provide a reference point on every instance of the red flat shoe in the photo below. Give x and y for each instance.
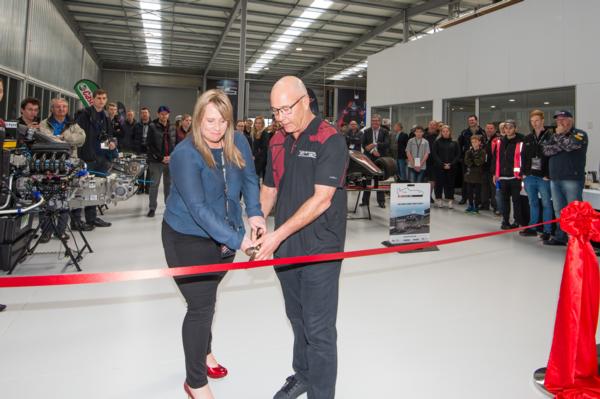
(216, 372)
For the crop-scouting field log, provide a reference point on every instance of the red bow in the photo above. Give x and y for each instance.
(572, 371)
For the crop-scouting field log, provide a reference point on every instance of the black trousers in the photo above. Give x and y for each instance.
(444, 179)
(488, 191)
(511, 190)
(367, 194)
(200, 293)
(311, 301)
(473, 193)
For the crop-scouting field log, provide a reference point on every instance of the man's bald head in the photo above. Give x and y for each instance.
(290, 104)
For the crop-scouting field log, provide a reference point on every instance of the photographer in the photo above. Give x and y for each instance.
(29, 122)
(97, 150)
(59, 127)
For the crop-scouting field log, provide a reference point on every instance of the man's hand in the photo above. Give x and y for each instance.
(166, 160)
(246, 243)
(417, 168)
(495, 178)
(257, 223)
(112, 145)
(447, 166)
(370, 147)
(268, 245)
(376, 154)
(560, 129)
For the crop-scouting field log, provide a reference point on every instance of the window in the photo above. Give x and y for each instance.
(384, 112)
(498, 108)
(457, 110)
(412, 114)
(45, 109)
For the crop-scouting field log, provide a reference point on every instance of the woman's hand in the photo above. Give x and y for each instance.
(246, 243)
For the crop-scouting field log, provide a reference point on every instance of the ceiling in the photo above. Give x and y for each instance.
(314, 39)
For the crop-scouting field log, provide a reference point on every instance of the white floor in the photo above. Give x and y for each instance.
(473, 320)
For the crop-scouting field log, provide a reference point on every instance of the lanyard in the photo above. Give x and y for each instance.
(225, 189)
(418, 147)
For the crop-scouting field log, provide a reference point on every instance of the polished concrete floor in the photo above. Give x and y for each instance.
(472, 320)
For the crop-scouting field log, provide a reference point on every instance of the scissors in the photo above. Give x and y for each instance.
(253, 251)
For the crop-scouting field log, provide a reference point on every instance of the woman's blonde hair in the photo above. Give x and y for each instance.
(446, 127)
(255, 133)
(220, 100)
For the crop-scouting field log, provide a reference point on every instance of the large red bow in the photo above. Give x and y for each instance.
(572, 371)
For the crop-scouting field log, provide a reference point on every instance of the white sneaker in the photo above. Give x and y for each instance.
(439, 203)
(450, 205)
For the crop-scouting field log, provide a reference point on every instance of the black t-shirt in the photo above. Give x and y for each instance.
(294, 167)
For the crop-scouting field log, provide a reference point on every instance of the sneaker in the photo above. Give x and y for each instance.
(151, 213)
(439, 203)
(292, 388)
(505, 226)
(78, 226)
(497, 213)
(545, 236)
(528, 233)
(469, 209)
(100, 223)
(554, 242)
(475, 211)
(450, 205)
(2, 307)
(63, 236)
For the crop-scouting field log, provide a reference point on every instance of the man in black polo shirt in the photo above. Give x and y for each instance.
(306, 168)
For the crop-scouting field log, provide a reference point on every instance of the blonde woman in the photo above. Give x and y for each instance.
(203, 224)
(260, 145)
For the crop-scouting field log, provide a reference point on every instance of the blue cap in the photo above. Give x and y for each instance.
(564, 114)
(163, 108)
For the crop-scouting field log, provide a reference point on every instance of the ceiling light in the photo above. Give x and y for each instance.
(153, 40)
(492, 106)
(279, 46)
(298, 48)
(321, 3)
(144, 5)
(150, 16)
(292, 32)
(422, 107)
(311, 14)
(360, 76)
(266, 68)
(511, 100)
(151, 25)
(274, 52)
(301, 24)
(285, 39)
(546, 102)
(267, 57)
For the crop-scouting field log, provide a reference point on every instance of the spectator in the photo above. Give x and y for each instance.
(114, 117)
(536, 175)
(353, 136)
(494, 148)
(161, 142)
(260, 145)
(248, 130)
(464, 141)
(446, 155)
(240, 125)
(184, 128)
(2, 135)
(375, 143)
(344, 128)
(417, 152)
(178, 120)
(567, 150)
(28, 123)
(140, 131)
(431, 135)
(488, 190)
(507, 170)
(127, 144)
(95, 152)
(401, 142)
(474, 163)
(59, 127)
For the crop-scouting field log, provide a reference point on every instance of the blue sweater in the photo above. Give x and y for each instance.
(196, 204)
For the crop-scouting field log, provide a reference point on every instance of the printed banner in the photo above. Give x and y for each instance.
(409, 212)
(85, 90)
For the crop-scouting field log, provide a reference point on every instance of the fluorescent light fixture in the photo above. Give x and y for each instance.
(492, 106)
(274, 52)
(546, 102)
(151, 25)
(422, 107)
(266, 68)
(145, 5)
(279, 46)
(321, 3)
(360, 76)
(285, 39)
(267, 57)
(301, 24)
(153, 40)
(292, 32)
(150, 17)
(511, 100)
(298, 48)
(311, 14)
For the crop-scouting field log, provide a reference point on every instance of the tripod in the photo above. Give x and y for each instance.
(50, 216)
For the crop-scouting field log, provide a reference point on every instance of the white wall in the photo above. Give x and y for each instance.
(532, 45)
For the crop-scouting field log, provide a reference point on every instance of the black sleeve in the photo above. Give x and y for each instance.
(153, 152)
(332, 160)
(364, 138)
(434, 154)
(456, 158)
(268, 180)
(384, 146)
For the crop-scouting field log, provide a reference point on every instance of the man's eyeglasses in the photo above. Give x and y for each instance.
(286, 109)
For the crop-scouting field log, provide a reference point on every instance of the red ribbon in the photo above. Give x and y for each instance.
(572, 371)
(91, 278)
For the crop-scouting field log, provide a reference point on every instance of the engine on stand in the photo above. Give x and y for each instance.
(43, 179)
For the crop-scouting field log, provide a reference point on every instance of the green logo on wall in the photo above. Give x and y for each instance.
(85, 90)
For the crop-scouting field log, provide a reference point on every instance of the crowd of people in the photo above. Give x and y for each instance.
(493, 166)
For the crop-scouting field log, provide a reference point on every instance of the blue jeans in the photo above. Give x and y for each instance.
(416, 177)
(402, 169)
(498, 195)
(535, 185)
(563, 193)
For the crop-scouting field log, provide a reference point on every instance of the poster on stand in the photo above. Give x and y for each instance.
(409, 212)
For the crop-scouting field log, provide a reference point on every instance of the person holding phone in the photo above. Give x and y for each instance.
(203, 223)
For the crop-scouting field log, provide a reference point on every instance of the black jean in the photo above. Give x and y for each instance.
(511, 190)
(488, 191)
(311, 301)
(473, 193)
(444, 183)
(200, 293)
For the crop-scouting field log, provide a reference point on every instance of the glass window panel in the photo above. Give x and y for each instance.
(383, 111)
(457, 110)
(39, 93)
(45, 104)
(413, 114)
(497, 108)
(30, 89)
(13, 98)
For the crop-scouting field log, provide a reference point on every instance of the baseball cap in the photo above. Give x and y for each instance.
(564, 114)
(178, 118)
(163, 108)
(510, 122)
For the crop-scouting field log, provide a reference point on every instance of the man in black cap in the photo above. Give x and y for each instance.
(567, 149)
(160, 144)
